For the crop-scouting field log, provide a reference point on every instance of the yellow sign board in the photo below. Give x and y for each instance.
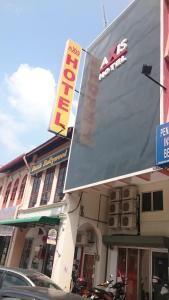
(65, 91)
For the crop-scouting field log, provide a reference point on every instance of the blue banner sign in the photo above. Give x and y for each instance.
(162, 144)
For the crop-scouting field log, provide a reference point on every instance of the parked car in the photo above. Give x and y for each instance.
(23, 277)
(36, 293)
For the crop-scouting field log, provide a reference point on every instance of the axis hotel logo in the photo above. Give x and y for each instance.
(117, 58)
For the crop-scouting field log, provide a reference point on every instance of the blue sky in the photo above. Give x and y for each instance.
(33, 34)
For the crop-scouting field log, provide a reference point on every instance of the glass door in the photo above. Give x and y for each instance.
(4, 245)
(160, 270)
(135, 266)
(48, 259)
(88, 269)
(132, 269)
(144, 274)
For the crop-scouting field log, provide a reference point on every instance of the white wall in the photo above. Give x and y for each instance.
(156, 222)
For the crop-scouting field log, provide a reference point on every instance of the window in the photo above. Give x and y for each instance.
(47, 185)
(60, 183)
(13, 194)
(35, 189)
(7, 194)
(146, 202)
(158, 200)
(11, 279)
(22, 188)
(152, 201)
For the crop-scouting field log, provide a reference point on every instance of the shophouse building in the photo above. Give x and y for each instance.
(34, 219)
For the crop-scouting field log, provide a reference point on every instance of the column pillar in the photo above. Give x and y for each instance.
(64, 253)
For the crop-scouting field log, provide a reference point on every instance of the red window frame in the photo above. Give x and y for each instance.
(45, 197)
(13, 194)
(8, 189)
(21, 191)
(35, 189)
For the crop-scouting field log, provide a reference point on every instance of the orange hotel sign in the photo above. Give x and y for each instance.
(65, 90)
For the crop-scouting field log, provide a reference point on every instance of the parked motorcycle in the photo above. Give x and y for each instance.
(80, 287)
(110, 290)
(160, 289)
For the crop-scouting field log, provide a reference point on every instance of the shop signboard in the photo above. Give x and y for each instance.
(52, 160)
(52, 236)
(119, 107)
(162, 144)
(65, 91)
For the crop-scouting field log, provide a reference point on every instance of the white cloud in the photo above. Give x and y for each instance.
(26, 101)
(31, 92)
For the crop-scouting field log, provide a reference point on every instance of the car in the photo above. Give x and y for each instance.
(36, 293)
(24, 277)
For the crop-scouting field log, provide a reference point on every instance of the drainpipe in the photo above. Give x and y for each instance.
(138, 214)
(107, 252)
(26, 163)
(168, 262)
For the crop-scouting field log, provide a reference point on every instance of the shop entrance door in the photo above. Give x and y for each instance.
(134, 266)
(4, 245)
(159, 269)
(127, 268)
(88, 269)
(132, 269)
(144, 274)
(48, 260)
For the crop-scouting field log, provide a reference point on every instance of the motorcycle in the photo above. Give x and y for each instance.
(80, 287)
(110, 290)
(160, 289)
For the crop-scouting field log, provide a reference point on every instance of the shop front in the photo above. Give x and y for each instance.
(38, 252)
(139, 260)
(86, 254)
(34, 242)
(5, 238)
(6, 232)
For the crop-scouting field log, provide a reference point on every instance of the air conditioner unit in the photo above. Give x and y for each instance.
(114, 207)
(81, 239)
(91, 238)
(115, 194)
(128, 206)
(113, 221)
(128, 221)
(129, 192)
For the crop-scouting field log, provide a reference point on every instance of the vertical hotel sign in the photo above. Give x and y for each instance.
(65, 90)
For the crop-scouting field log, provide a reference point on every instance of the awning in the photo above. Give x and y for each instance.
(28, 222)
(136, 241)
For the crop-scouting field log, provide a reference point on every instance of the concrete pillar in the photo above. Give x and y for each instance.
(64, 253)
(15, 248)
